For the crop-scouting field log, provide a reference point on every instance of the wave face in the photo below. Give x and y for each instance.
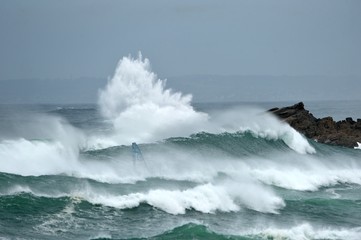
(234, 173)
(303, 231)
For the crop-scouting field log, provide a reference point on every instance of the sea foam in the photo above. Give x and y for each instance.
(205, 198)
(306, 231)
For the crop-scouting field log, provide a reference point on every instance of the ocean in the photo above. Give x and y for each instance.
(208, 170)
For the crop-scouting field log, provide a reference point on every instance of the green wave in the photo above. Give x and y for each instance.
(227, 144)
(190, 231)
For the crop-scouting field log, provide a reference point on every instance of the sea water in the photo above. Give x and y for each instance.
(210, 170)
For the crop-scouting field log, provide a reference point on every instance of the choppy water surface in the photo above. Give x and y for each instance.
(210, 172)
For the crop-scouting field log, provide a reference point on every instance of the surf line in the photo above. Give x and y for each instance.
(137, 155)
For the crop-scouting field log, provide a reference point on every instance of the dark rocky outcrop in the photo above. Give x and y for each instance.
(324, 130)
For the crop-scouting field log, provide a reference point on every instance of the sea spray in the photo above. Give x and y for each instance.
(51, 146)
(26, 157)
(140, 107)
(260, 124)
(59, 155)
(198, 160)
(236, 173)
(232, 182)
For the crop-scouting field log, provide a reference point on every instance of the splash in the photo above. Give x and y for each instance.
(260, 124)
(140, 107)
(49, 146)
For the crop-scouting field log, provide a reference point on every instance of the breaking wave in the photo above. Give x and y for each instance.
(206, 198)
(201, 158)
(141, 109)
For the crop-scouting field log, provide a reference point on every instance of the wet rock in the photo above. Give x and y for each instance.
(325, 130)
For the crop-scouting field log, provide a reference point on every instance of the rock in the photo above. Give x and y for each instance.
(350, 120)
(342, 133)
(358, 124)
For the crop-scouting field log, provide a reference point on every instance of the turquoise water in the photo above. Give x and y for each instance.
(63, 176)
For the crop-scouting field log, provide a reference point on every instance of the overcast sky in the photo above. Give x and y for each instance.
(86, 38)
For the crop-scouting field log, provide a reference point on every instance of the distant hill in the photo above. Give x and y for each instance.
(204, 88)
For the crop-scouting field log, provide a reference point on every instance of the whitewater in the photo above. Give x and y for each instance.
(208, 173)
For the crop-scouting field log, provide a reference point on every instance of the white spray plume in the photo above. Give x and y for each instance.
(143, 110)
(140, 107)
